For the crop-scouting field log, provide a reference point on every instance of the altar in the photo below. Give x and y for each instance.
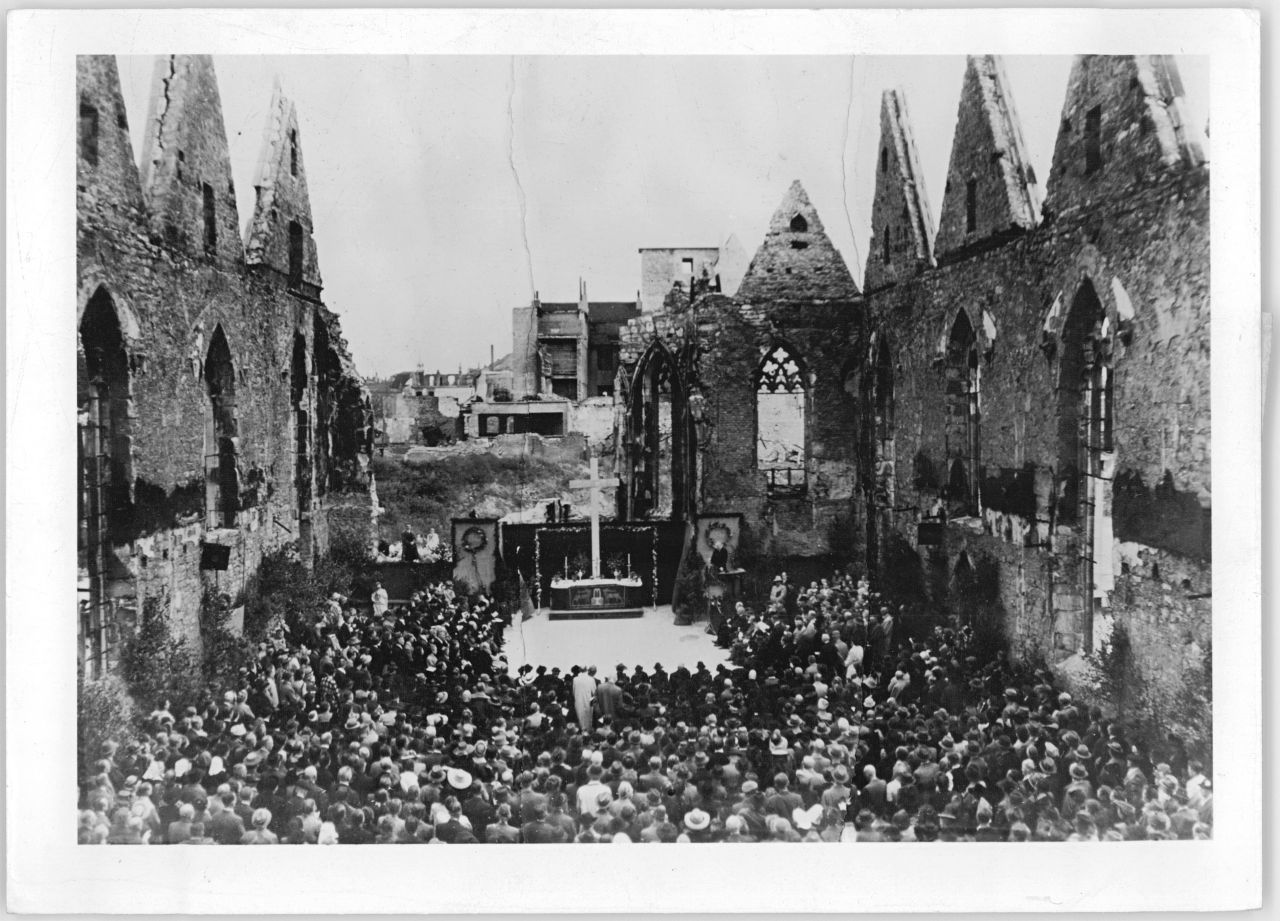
(581, 598)
(596, 595)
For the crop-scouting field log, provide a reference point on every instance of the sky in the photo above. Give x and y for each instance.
(446, 190)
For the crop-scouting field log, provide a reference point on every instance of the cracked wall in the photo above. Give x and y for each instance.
(148, 252)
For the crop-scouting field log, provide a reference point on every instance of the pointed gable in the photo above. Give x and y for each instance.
(104, 154)
(797, 261)
(280, 234)
(1123, 125)
(991, 187)
(186, 168)
(901, 222)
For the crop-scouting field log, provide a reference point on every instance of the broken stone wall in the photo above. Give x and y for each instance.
(1146, 256)
(172, 293)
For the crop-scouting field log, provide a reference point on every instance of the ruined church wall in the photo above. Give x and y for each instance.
(170, 296)
(818, 523)
(179, 302)
(1155, 243)
(732, 338)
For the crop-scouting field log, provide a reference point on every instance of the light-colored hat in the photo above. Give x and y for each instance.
(696, 820)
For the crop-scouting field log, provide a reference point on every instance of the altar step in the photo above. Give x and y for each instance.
(594, 613)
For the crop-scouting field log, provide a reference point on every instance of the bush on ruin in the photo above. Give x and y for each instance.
(157, 666)
(105, 713)
(1119, 685)
(223, 653)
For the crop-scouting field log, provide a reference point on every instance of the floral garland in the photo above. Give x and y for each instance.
(628, 528)
(537, 567)
(653, 589)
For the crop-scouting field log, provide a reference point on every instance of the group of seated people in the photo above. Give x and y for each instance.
(411, 548)
(410, 728)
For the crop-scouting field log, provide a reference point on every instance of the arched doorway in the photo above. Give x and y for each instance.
(662, 441)
(222, 442)
(105, 505)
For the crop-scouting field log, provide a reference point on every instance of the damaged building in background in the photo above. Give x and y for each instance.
(220, 415)
(1011, 418)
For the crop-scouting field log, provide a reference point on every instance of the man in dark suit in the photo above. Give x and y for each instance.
(540, 831)
(226, 827)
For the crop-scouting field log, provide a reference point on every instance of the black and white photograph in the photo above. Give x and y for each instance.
(629, 448)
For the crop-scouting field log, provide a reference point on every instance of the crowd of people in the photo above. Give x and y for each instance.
(406, 726)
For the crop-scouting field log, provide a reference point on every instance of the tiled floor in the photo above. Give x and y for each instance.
(606, 643)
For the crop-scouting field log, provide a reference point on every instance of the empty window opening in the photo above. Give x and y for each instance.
(105, 505)
(89, 134)
(222, 474)
(780, 422)
(324, 366)
(686, 268)
(971, 206)
(662, 441)
(880, 450)
(298, 392)
(210, 220)
(295, 254)
(1093, 140)
(799, 224)
(963, 405)
(293, 153)
(884, 159)
(886, 254)
(1085, 412)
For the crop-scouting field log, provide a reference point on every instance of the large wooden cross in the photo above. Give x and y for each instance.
(595, 482)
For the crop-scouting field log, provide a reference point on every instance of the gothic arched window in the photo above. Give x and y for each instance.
(222, 444)
(1084, 403)
(105, 473)
(963, 386)
(780, 421)
(296, 250)
(300, 403)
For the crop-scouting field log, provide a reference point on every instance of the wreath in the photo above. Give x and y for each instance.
(474, 540)
(718, 531)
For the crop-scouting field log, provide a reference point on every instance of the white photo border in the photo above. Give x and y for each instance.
(48, 872)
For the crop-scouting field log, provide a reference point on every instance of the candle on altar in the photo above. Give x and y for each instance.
(628, 564)
(566, 567)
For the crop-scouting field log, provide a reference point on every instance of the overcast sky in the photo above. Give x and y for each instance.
(421, 221)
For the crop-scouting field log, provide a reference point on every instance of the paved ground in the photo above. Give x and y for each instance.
(605, 643)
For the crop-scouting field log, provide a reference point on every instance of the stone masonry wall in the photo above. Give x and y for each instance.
(1140, 238)
(171, 293)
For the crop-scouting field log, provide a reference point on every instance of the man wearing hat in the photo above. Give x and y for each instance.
(697, 825)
